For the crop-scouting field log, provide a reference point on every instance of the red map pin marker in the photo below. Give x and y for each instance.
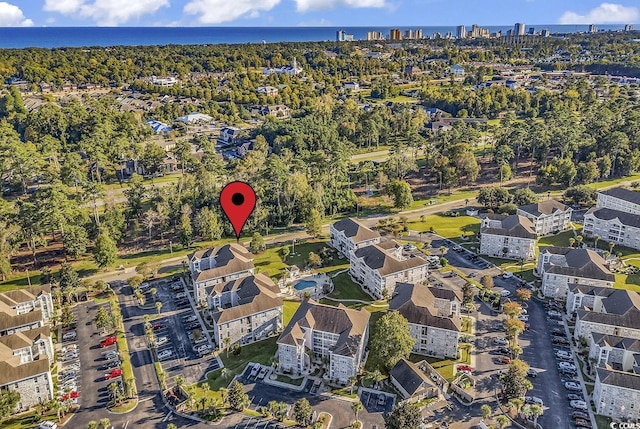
(238, 199)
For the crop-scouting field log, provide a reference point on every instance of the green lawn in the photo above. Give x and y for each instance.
(288, 309)
(447, 226)
(443, 198)
(561, 239)
(345, 288)
(603, 422)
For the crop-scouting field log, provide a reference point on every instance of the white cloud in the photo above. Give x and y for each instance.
(217, 11)
(106, 12)
(307, 5)
(12, 16)
(606, 13)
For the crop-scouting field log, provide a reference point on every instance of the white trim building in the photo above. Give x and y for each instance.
(560, 267)
(616, 394)
(612, 312)
(412, 383)
(621, 199)
(349, 234)
(510, 237)
(613, 226)
(548, 217)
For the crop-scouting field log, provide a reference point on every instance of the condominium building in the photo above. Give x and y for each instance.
(613, 226)
(548, 217)
(510, 237)
(349, 234)
(395, 34)
(412, 383)
(621, 199)
(614, 352)
(375, 35)
(519, 29)
(560, 267)
(245, 310)
(379, 267)
(29, 299)
(615, 313)
(616, 394)
(433, 315)
(461, 32)
(218, 265)
(322, 333)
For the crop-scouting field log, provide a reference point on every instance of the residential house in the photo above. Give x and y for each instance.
(320, 332)
(510, 237)
(457, 70)
(159, 127)
(269, 91)
(615, 312)
(25, 359)
(560, 267)
(349, 234)
(164, 81)
(621, 199)
(245, 310)
(616, 394)
(291, 70)
(613, 226)
(614, 352)
(218, 265)
(548, 217)
(412, 383)
(433, 315)
(230, 135)
(352, 86)
(279, 111)
(195, 118)
(379, 267)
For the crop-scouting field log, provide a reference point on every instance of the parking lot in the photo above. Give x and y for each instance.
(377, 402)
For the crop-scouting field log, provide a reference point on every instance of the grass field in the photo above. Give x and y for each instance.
(288, 310)
(447, 226)
(444, 197)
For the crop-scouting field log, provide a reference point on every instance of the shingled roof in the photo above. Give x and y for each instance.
(623, 310)
(229, 259)
(355, 230)
(511, 226)
(377, 258)
(9, 318)
(582, 263)
(255, 294)
(417, 304)
(351, 325)
(625, 380)
(623, 194)
(616, 342)
(624, 218)
(410, 377)
(544, 208)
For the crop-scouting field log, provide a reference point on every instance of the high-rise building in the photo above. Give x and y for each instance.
(413, 34)
(395, 34)
(518, 29)
(532, 31)
(342, 36)
(375, 35)
(545, 33)
(461, 32)
(593, 28)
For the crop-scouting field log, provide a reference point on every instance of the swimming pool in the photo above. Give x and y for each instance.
(304, 284)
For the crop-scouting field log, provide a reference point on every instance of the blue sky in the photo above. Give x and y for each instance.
(313, 12)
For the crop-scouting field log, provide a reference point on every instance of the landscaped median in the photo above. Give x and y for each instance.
(128, 380)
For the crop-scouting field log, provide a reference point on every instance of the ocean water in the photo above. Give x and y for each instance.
(58, 37)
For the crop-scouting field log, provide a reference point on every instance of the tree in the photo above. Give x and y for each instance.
(356, 407)
(104, 320)
(391, 340)
(152, 159)
(236, 397)
(257, 243)
(92, 425)
(582, 195)
(158, 306)
(404, 416)
(314, 223)
(302, 412)
(314, 259)
(185, 229)
(75, 241)
(467, 293)
(524, 196)
(105, 251)
(227, 344)
(486, 411)
(493, 197)
(208, 225)
(8, 241)
(135, 194)
(505, 173)
(400, 191)
(536, 411)
(515, 383)
(487, 281)
(512, 309)
(105, 423)
(513, 328)
(8, 401)
(67, 318)
(523, 294)
(502, 420)
(285, 252)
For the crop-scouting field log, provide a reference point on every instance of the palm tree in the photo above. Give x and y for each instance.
(596, 238)
(516, 404)
(352, 382)
(154, 293)
(179, 380)
(105, 423)
(572, 241)
(92, 425)
(131, 386)
(158, 306)
(503, 421)
(526, 411)
(579, 239)
(227, 344)
(536, 411)
(486, 411)
(59, 407)
(356, 407)
(611, 246)
(224, 392)
(113, 388)
(443, 249)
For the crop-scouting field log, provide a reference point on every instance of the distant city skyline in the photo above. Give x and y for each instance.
(352, 13)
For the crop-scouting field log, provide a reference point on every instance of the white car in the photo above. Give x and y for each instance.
(561, 354)
(500, 340)
(571, 385)
(71, 335)
(160, 341)
(188, 319)
(255, 370)
(507, 275)
(165, 354)
(553, 313)
(579, 405)
(70, 356)
(48, 425)
(204, 349)
(181, 295)
(569, 366)
(505, 293)
(533, 400)
(523, 318)
(111, 354)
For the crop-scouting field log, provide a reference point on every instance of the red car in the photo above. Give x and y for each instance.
(156, 327)
(109, 341)
(72, 395)
(117, 372)
(464, 368)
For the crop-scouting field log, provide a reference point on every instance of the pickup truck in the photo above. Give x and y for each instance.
(109, 341)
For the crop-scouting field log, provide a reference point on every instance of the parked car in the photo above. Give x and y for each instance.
(48, 425)
(116, 372)
(560, 340)
(464, 368)
(532, 373)
(500, 340)
(263, 372)
(113, 364)
(160, 341)
(181, 295)
(570, 385)
(145, 286)
(580, 415)
(191, 326)
(109, 341)
(504, 359)
(204, 349)
(567, 365)
(533, 400)
(473, 274)
(523, 318)
(165, 354)
(71, 335)
(568, 371)
(156, 326)
(382, 399)
(554, 313)
(562, 354)
(255, 370)
(70, 356)
(581, 423)
(504, 293)
(574, 397)
(188, 319)
(69, 348)
(507, 275)
(111, 354)
(558, 332)
(579, 405)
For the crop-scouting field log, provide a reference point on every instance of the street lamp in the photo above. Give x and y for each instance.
(293, 242)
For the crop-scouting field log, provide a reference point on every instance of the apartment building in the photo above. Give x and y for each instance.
(613, 226)
(560, 267)
(510, 237)
(614, 352)
(320, 333)
(621, 199)
(433, 315)
(218, 265)
(29, 299)
(548, 217)
(245, 310)
(412, 383)
(616, 394)
(379, 267)
(615, 313)
(349, 234)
